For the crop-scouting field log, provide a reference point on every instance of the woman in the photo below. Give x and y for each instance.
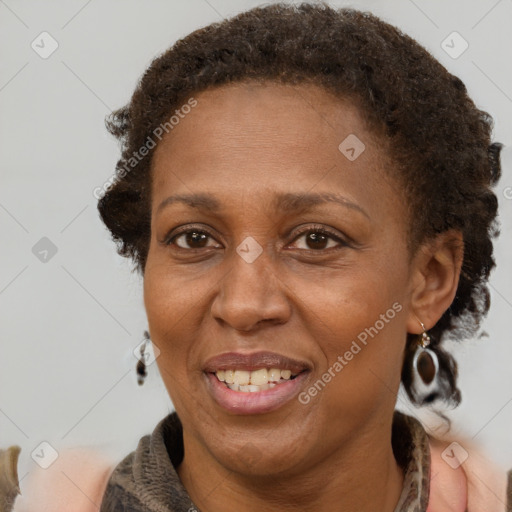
(307, 194)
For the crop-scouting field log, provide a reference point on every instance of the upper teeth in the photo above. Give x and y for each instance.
(256, 377)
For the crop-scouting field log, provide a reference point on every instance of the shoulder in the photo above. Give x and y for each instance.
(462, 478)
(75, 482)
(448, 483)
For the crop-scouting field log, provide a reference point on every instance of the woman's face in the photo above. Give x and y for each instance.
(286, 251)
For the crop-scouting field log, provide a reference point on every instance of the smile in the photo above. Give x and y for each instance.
(255, 381)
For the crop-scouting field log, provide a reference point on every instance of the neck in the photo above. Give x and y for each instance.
(360, 476)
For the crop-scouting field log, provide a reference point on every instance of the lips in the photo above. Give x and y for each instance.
(254, 361)
(258, 402)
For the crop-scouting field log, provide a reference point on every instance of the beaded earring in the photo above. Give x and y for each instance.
(141, 363)
(425, 368)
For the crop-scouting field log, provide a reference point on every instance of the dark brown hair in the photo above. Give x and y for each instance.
(442, 151)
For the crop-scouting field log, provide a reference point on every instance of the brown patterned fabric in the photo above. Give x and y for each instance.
(412, 452)
(146, 480)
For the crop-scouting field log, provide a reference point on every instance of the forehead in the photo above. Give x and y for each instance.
(264, 137)
(252, 114)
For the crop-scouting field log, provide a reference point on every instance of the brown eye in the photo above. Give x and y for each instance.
(318, 239)
(193, 239)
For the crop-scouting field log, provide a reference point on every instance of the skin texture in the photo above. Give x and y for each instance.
(243, 144)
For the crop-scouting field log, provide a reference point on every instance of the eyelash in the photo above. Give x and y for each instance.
(168, 240)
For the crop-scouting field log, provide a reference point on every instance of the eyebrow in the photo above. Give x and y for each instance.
(285, 202)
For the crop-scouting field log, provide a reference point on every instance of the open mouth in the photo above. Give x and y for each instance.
(254, 381)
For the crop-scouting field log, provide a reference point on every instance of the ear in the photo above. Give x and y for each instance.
(434, 278)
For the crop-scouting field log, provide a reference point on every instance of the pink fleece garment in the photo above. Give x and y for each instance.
(75, 482)
(477, 483)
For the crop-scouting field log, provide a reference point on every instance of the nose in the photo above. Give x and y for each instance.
(251, 294)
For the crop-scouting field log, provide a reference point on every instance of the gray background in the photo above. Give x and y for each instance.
(69, 325)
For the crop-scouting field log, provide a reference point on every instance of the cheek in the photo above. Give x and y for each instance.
(173, 311)
(171, 300)
(358, 321)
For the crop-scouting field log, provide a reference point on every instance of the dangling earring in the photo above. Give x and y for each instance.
(141, 363)
(425, 368)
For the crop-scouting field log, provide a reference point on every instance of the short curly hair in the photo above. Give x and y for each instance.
(442, 152)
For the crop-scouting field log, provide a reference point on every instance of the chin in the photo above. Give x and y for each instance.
(258, 457)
